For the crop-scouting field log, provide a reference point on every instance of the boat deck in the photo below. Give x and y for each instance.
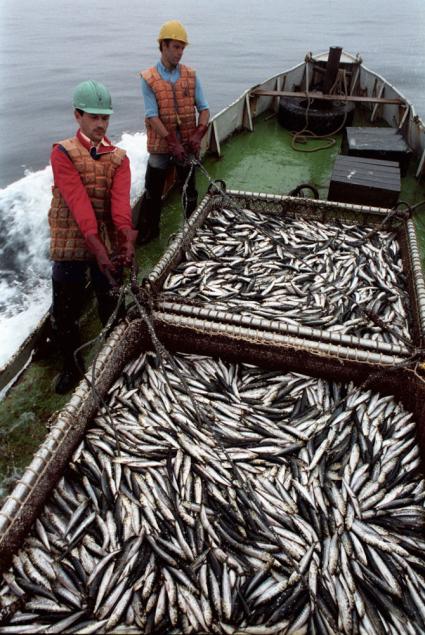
(262, 161)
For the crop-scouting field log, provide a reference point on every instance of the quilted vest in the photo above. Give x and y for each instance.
(176, 106)
(67, 241)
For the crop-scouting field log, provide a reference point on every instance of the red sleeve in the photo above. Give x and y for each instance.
(68, 181)
(120, 196)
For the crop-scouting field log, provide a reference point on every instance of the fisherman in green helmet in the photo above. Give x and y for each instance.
(90, 223)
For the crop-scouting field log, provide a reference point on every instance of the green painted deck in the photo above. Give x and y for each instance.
(262, 161)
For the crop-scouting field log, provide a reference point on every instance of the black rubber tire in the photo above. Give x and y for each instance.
(298, 191)
(292, 115)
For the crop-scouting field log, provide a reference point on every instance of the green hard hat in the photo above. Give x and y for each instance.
(93, 97)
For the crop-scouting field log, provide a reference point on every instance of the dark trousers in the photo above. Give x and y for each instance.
(149, 212)
(69, 283)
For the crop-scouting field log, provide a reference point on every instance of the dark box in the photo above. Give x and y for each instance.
(377, 143)
(365, 181)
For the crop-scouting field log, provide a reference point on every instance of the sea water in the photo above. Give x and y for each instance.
(47, 47)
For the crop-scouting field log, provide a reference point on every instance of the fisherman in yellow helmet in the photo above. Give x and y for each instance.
(90, 223)
(172, 94)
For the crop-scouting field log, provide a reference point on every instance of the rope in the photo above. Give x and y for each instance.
(393, 213)
(416, 355)
(98, 343)
(132, 289)
(302, 135)
(370, 315)
(162, 353)
(184, 196)
(203, 419)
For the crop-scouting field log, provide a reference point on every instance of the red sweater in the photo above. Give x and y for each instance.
(67, 179)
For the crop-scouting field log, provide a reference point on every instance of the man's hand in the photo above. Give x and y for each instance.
(98, 249)
(126, 240)
(194, 141)
(175, 147)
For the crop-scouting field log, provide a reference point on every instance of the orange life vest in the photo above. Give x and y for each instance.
(67, 241)
(176, 106)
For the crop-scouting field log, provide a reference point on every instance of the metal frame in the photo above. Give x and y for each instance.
(312, 208)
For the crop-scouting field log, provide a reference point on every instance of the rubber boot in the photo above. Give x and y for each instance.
(67, 305)
(150, 206)
(72, 371)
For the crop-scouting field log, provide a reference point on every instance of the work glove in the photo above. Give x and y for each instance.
(126, 241)
(98, 249)
(194, 141)
(175, 147)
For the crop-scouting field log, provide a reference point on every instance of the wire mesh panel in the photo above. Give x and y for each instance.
(329, 272)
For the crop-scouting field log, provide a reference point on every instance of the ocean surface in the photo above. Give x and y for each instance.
(48, 47)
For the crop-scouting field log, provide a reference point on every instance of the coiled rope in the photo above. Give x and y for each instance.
(302, 136)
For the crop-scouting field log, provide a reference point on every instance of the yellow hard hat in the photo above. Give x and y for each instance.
(173, 30)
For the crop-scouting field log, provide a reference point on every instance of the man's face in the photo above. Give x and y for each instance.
(93, 126)
(172, 52)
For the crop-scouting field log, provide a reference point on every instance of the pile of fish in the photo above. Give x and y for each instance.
(210, 497)
(332, 276)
